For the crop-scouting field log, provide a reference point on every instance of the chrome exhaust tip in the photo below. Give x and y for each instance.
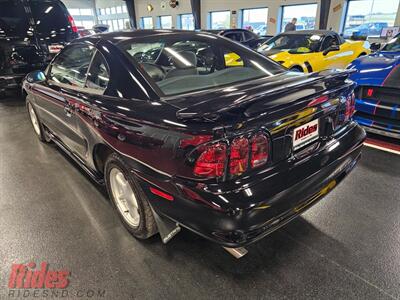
(237, 252)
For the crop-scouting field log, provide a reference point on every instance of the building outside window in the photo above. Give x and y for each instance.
(186, 22)
(220, 19)
(110, 25)
(114, 17)
(83, 17)
(165, 22)
(367, 18)
(255, 19)
(305, 14)
(74, 11)
(146, 23)
(121, 24)
(127, 24)
(88, 24)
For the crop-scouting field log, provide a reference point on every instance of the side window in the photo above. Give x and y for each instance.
(71, 66)
(248, 36)
(329, 41)
(99, 74)
(236, 36)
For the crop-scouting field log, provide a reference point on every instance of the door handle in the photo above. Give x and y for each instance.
(68, 111)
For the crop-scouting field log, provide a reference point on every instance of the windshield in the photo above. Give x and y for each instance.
(295, 43)
(393, 45)
(13, 19)
(189, 62)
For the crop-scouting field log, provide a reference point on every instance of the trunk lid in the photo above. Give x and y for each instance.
(264, 95)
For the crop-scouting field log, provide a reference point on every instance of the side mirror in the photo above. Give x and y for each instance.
(375, 47)
(35, 77)
(331, 48)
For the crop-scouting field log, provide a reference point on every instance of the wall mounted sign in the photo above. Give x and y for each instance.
(233, 18)
(337, 8)
(173, 3)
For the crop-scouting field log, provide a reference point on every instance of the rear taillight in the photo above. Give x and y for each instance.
(72, 23)
(244, 153)
(259, 150)
(350, 106)
(239, 157)
(211, 162)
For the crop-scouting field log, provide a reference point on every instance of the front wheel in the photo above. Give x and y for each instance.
(128, 199)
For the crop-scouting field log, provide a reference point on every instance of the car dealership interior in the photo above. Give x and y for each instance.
(200, 149)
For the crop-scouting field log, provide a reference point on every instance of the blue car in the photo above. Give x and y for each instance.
(378, 91)
(364, 30)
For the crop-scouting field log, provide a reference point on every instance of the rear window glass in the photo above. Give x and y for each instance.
(51, 20)
(184, 63)
(13, 19)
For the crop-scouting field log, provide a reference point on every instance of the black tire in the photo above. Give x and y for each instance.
(147, 226)
(296, 69)
(40, 131)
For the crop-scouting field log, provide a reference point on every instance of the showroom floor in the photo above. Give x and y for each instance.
(347, 246)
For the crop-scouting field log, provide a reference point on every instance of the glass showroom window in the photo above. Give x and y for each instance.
(305, 14)
(366, 18)
(74, 11)
(255, 19)
(165, 22)
(88, 24)
(86, 12)
(220, 19)
(146, 23)
(187, 22)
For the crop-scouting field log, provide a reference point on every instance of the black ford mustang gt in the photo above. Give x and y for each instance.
(181, 137)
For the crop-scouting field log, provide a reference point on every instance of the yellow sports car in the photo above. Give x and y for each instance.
(313, 50)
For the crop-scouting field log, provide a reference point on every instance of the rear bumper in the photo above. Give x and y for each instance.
(238, 218)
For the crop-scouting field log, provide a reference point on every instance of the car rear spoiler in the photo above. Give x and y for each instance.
(202, 110)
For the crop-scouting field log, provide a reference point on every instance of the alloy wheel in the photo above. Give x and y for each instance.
(124, 197)
(34, 119)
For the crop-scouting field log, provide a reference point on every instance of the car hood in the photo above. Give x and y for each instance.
(273, 52)
(376, 68)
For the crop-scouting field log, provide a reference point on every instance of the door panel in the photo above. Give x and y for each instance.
(57, 98)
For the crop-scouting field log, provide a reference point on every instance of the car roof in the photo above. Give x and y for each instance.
(118, 36)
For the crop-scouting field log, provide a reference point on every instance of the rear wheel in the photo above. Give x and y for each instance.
(128, 199)
(36, 124)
